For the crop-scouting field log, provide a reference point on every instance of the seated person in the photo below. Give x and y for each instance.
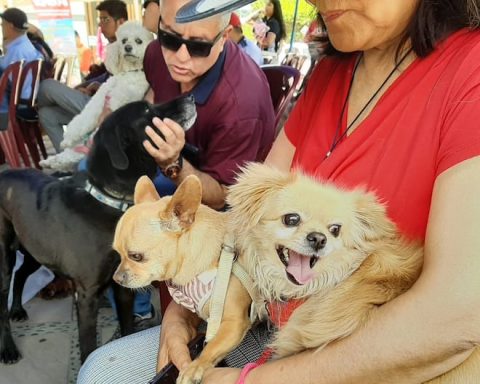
(17, 47)
(58, 103)
(151, 15)
(234, 125)
(276, 26)
(248, 46)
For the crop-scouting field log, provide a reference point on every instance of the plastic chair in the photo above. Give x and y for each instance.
(58, 67)
(11, 139)
(26, 112)
(283, 81)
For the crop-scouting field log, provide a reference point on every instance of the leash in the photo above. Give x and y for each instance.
(226, 266)
(217, 302)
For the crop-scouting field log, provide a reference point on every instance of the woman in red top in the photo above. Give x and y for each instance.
(397, 112)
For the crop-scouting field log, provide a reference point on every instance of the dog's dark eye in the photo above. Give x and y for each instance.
(124, 41)
(135, 256)
(291, 219)
(138, 41)
(335, 229)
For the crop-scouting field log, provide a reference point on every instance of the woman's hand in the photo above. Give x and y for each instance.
(221, 375)
(179, 326)
(164, 151)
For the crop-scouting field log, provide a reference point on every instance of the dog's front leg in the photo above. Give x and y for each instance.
(124, 304)
(87, 310)
(235, 324)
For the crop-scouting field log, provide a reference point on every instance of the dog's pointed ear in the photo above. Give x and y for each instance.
(371, 220)
(256, 184)
(145, 191)
(185, 201)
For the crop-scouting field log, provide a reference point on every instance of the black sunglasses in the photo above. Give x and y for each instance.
(195, 48)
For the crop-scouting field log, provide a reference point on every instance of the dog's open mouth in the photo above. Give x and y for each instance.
(298, 266)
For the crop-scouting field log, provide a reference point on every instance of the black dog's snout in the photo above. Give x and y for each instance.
(128, 48)
(317, 240)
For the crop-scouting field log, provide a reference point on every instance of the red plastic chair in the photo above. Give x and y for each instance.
(283, 81)
(11, 139)
(26, 112)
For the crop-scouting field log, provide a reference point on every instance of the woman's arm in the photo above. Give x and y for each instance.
(281, 154)
(428, 330)
(421, 334)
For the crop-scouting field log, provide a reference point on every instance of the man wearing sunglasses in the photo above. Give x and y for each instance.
(235, 122)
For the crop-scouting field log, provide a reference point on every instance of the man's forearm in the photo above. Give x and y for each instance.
(213, 193)
(409, 340)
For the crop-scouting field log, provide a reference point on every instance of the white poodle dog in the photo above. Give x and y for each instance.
(124, 60)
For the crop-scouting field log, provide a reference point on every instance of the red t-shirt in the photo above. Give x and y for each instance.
(426, 122)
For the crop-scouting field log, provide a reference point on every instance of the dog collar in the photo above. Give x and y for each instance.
(121, 203)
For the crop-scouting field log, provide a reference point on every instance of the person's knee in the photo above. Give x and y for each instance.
(47, 91)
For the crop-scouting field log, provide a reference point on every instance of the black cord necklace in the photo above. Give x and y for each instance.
(336, 141)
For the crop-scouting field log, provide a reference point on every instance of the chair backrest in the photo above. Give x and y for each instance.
(58, 67)
(294, 60)
(34, 69)
(283, 81)
(10, 82)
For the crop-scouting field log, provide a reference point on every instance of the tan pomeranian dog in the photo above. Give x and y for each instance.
(178, 240)
(325, 256)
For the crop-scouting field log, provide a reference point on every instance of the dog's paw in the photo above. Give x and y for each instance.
(66, 143)
(9, 354)
(18, 314)
(193, 374)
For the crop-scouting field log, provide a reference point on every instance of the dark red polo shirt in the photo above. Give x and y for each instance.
(235, 121)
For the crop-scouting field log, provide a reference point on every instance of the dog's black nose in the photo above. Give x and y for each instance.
(317, 240)
(128, 48)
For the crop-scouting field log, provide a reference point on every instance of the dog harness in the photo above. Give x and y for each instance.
(214, 284)
(195, 293)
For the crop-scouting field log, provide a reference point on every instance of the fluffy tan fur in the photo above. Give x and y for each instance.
(177, 238)
(367, 264)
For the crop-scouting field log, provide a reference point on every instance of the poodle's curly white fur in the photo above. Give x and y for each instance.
(124, 61)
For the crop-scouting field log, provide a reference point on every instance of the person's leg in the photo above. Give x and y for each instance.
(132, 359)
(128, 360)
(57, 105)
(54, 93)
(52, 119)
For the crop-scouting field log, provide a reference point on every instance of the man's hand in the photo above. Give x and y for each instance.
(90, 89)
(179, 327)
(165, 152)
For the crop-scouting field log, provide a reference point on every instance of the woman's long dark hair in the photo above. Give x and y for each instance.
(435, 20)
(278, 15)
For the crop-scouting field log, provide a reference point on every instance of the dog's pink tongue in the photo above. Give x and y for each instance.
(299, 267)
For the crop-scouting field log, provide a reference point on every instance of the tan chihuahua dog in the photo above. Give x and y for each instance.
(178, 240)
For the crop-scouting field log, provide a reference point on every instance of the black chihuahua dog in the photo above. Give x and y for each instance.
(68, 225)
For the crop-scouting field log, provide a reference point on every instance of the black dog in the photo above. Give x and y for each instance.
(64, 225)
